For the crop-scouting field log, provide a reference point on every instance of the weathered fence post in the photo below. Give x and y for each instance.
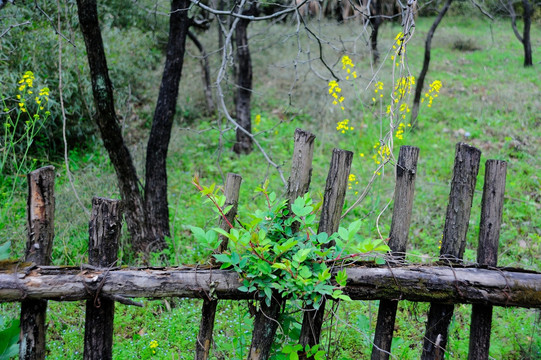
(487, 252)
(39, 245)
(453, 243)
(266, 319)
(406, 171)
(331, 212)
(208, 311)
(104, 232)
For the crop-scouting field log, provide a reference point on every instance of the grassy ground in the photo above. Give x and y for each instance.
(488, 100)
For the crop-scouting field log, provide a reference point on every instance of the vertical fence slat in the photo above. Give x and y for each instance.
(487, 252)
(104, 232)
(266, 319)
(208, 310)
(406, 171)
(40, 212)
(465, 171)
(331, 211)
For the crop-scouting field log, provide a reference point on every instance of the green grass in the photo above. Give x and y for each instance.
(488, 100)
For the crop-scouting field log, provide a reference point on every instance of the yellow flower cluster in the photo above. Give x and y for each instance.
(403, 87)
(378, 88)
(27, 81)
(401, 128)
(343, 126)
(432, 92)
(25, 88)
(383, 154)
(153, 345)
(352, 180)
(335, 91)
(256, 122)
(348, 65)
(398, 47)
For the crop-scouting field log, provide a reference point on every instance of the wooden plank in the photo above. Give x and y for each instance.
(444, 284)
(465, 171)
(208, 310)
(487, 252)
(406, 171)
(39, 244)
(104, 230)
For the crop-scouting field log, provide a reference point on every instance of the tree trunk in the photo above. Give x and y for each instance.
(527, 16)
(108, 125)
(156, 204)
(525, 37)
(426, 62)
(205, 67)
(244, 144)
(147, 217)
(375, 21)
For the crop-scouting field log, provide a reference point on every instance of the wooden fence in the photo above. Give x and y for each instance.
(443, 284)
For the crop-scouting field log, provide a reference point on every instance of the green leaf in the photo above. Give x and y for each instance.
(8, 340)
(305, 272)
(299, 208)
(223, 258)
(268, 292)
(264, 267)
(279, 266)
(323, 238)
(222, 232)
(235, 258)
(301, 255)
(294, 356)
(310, 219)
(344, 234)
(341, 277)
(354, 228)
(287, 245)
(325, 275)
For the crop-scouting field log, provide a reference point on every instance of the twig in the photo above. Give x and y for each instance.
(14, 26)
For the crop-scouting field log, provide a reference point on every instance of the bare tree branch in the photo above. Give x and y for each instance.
(14, 26)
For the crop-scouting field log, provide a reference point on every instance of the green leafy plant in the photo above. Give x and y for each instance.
(278, 250)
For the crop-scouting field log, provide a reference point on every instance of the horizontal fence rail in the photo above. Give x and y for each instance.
(443, 284)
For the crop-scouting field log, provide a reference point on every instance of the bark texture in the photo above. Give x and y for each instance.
(487, 253)
(104, 231)
(465, 171)
(156, 204)
(110, 131)
(444, 284)
(406, 171)
(244, 144)
(39, 244)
